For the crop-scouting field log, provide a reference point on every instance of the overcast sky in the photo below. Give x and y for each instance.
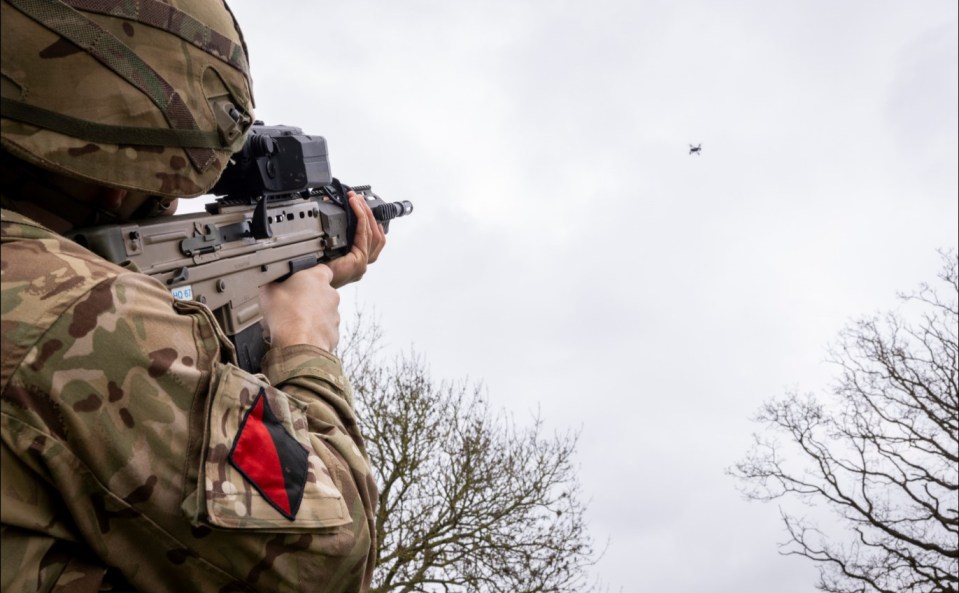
(568, 252)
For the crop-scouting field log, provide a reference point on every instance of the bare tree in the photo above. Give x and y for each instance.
(882, 454)
(469, 501)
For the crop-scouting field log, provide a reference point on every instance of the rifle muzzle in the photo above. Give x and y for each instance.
(389, 211)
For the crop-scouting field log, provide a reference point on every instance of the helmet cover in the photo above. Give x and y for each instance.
(144, 95)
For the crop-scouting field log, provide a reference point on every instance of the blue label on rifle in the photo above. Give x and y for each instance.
(184, 293)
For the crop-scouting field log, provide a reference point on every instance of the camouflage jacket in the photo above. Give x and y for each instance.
(136, 456)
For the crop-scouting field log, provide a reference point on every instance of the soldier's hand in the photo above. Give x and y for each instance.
(303, 309)
(368, 242)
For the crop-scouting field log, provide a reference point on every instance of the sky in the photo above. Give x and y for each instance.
(566, 251)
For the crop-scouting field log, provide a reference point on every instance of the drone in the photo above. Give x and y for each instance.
(697, 150)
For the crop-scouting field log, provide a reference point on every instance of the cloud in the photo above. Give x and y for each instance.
(568, 252)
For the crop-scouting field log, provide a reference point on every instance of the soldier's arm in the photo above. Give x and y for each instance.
(171, 464)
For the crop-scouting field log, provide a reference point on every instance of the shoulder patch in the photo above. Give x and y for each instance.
(270, 458)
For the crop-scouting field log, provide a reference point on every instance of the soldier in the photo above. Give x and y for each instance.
(135, 455)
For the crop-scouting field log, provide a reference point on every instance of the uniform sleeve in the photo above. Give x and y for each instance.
(178, 469)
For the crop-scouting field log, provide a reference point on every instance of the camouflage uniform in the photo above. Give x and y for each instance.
(120, 410)
(134, 453)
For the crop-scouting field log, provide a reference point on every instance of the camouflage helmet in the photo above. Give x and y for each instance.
(144, 95)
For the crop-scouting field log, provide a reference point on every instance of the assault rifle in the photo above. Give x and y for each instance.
(280, 211)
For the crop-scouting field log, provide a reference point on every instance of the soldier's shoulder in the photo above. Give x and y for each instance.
(45, 275)
(14, 225)
(33, 254)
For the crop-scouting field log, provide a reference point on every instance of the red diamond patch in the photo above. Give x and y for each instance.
(270, 458)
